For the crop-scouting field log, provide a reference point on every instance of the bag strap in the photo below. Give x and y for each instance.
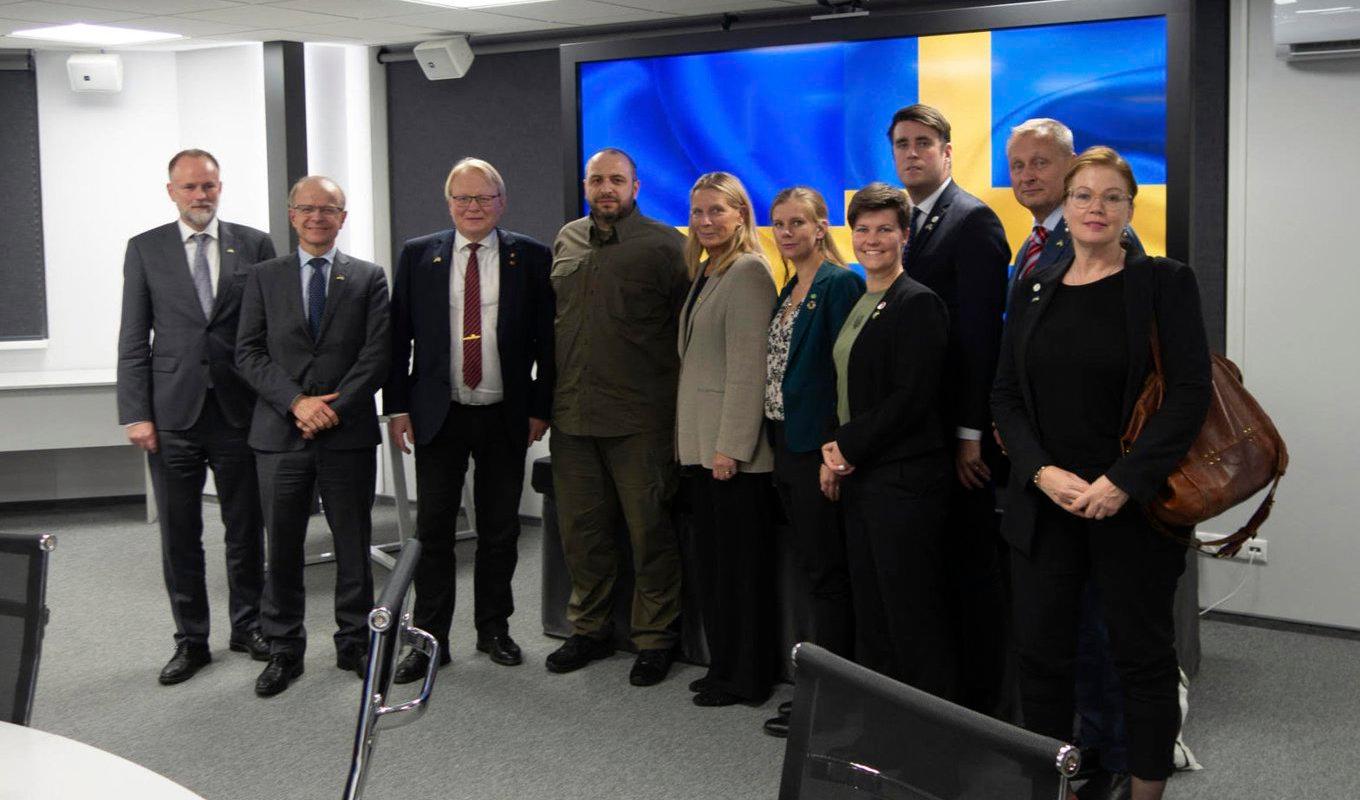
(1229, 545)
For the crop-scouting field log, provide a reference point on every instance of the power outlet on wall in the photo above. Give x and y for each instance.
(1253, 550)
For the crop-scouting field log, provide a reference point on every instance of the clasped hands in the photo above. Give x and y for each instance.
(1096, 500)
(313, 414)
(834, 467)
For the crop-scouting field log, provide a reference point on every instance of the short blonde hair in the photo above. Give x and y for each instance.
(1101, 156)
(745, 238)
(476, 165)
(815, 205)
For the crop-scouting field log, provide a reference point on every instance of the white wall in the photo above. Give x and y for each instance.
(1294, 281)
(340, 140)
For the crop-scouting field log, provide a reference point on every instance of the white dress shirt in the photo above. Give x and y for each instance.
(492, 388)
(1051, 221)
(927, 204)
(308, 269)
(214, 254)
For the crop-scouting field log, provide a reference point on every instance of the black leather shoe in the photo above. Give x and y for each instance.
(185, 663)
(778, 727)
(1107, 786)
(501, 648)
(578, 651)
(253, 643)
(785, 708)
(416, 664)
(355, 661)
(651, 666)
(698, 685)
(275, 678)
(712, 698)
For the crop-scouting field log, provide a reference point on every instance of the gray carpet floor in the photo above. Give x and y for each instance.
(1272, 712)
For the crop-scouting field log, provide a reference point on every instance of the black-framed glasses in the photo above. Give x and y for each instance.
(465, 200)
(1084, 198)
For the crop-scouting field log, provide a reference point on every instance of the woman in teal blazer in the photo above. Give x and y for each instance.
(800, 405)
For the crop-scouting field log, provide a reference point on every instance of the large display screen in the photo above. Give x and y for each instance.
(817, 114)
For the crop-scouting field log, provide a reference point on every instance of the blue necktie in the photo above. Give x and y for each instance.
(316, 295)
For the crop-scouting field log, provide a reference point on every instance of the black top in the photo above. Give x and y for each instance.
(1078, 361)
(695, 292)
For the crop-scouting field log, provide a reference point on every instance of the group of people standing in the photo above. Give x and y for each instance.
(878, 409)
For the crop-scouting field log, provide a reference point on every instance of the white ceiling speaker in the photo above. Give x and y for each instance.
(444, 59)
(100, 73)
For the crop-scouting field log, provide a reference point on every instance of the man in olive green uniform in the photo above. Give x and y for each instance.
(620, 280)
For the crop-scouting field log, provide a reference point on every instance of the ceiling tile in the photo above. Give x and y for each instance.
(373, 30)
(355, 9)
(262, 35)
(185, 26)
(474, 22)
(583, 12)
(157, 6)
(261, 16)
(60, 14)
(688, 7)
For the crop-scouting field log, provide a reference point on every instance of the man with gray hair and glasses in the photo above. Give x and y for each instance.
(183, 402)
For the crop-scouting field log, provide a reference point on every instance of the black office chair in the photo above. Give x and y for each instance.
(23, 615)
(389, 625)
(857, 735)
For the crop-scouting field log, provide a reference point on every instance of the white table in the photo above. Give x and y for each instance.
(35, 765)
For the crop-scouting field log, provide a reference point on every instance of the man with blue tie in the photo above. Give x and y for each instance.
(314, 344)
(475, 304)
(184, 403)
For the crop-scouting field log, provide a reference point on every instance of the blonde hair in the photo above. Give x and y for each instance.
(815, 206)
(1047, 129)
(1101, 156)
(744, 238)
(477, 165)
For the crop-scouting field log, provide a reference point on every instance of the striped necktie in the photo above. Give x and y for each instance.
(1036, 246)
(472, 321)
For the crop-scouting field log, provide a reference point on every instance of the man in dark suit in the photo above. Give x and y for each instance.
(314, 344)
(183, 402)
(958, 249)
(477, 304)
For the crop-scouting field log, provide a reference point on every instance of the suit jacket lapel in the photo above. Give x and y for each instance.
(803, 322)
(509, 272)
(932, 220)
(336, 289)
(227, 264)
(1036, 292)
(1138, 311)
(1056, 248)
(292, 296)
(176, 260)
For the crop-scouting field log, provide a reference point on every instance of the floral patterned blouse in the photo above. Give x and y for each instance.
(781, 331)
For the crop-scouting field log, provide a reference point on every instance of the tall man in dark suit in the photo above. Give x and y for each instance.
(314, 344)
(183, 402)
(958, 249)
(476, 303)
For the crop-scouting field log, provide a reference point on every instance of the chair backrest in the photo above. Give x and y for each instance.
(23, 615)
(857, 735)
(389, 625)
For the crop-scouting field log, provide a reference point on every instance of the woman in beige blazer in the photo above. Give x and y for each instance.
(720, 439)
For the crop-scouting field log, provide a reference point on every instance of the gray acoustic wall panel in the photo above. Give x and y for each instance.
(23, 303)
(506, 110)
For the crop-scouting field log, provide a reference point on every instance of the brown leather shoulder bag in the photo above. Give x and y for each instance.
(1238, 452)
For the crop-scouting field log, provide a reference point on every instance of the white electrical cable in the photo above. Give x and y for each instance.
(1246, 575)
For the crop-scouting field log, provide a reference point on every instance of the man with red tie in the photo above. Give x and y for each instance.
(476, 305)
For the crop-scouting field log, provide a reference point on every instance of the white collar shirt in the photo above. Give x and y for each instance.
(929, 203)
(492, 386)
(214, 252)
(307, 269)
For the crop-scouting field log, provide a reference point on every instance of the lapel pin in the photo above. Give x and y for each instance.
(438, 259)
(339, 277)
(934, 219)
(875, 315)
(1060, 242)
(811, 304)
(813, 296)
(882, 305)
(231, 249)
(1036, 287)
(1034, 299)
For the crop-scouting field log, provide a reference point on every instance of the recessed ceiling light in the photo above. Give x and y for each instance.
(465, 4)
(81, 33)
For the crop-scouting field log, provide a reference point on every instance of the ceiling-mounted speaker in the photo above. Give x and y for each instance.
(443, 59)
(101, 73)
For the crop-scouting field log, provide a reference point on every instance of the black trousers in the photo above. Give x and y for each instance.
(288, 482)
(178, 471)
(479, 432)
(1135, 570)
(732, 547)
(894, 529)
(976, 595)
(817, 539)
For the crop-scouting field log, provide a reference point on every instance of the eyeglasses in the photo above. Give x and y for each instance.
(1083, 199)
(325, 211)
(465, 200)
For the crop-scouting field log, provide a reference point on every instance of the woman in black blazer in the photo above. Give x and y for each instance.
(887, 457)
(800, 404)
(1074, 358)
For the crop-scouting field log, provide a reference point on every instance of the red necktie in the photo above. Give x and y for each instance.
(1036, 246)
(472, 321)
